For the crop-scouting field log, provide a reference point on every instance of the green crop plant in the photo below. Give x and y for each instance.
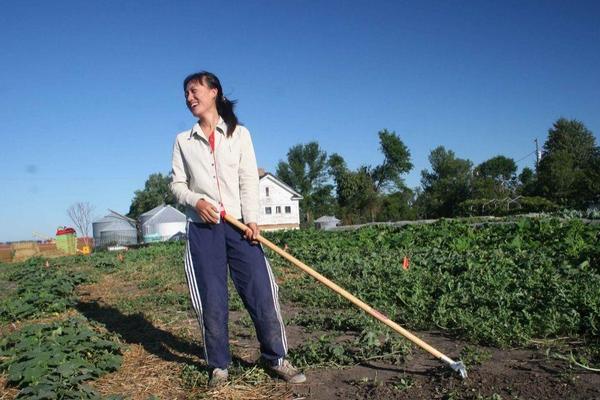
(500, 284)
(40, 290)
(369, 345)
(342, 321)
(472, 355)
(55, 360)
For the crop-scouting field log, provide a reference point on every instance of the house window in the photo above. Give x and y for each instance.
(288, 209)
(267, 191)
(267, 210)
(278, 210)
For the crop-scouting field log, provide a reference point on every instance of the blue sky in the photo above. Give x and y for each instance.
(91, 96)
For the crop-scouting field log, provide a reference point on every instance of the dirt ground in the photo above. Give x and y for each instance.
(507, 374)
(510, 374)
(158, 354)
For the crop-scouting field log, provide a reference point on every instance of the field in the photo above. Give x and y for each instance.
(518, 302)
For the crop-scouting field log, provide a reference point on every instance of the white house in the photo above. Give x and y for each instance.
(279, 204)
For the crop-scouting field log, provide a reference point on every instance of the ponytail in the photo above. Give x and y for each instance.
(225, 110)
(224, 105)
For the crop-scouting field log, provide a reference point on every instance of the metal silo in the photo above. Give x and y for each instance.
(114, 229)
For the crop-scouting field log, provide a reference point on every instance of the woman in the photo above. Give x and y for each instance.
(214, 171)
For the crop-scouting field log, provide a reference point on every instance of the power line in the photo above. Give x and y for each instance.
(524, 157)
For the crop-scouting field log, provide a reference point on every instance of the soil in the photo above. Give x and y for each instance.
(508, 374)
(505, 374)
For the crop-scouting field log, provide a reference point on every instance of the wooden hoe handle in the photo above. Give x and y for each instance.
(353, 299)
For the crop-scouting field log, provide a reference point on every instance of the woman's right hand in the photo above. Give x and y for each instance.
(207, 212)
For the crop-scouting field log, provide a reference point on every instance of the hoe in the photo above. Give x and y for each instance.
(457, 366)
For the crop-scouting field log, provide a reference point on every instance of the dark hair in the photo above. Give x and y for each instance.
(224, 105)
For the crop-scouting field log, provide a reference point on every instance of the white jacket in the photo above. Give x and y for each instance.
(234, 181)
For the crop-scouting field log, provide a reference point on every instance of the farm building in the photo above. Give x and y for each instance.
(326, 222)
(162, 223)
(114, 229)
(279, 204)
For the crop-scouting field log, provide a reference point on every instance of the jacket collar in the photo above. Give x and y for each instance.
(197, 131)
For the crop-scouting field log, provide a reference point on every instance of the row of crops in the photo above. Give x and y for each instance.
(54, 359)
(502, 285)
(492, 284)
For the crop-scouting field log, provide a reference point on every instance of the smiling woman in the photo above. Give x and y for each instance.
(202, 91)
(214, 172)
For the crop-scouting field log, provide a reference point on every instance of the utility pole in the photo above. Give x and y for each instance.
(537, 154)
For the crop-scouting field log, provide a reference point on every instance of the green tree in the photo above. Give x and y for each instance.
(356, 195)
(396, 162)
(361, 193)
(569, 159)
(306, 171)
(336, 166)
(397, 206)
(495, 178)
(156, 192)
(527, 182)
(447, 185)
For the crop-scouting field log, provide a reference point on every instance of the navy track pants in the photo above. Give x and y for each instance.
(210, 249)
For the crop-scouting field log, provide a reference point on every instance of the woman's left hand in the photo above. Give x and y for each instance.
(252, 233)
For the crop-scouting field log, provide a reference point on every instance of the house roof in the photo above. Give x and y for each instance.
(327, 218)
(295, 194)
(153, 211)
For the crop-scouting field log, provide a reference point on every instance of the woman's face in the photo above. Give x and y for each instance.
(200, 98)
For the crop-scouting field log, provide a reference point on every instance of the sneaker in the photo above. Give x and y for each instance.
(218, 377)
(288, 372)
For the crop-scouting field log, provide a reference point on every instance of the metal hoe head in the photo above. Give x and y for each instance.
(459, 367)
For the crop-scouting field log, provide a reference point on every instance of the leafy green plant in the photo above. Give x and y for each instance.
(320, 352)
(402, 382)
(497, 284)
(40, 290)
(472, 355)
(54, 360)
(193, 377)
(346, 320)
(369, 345)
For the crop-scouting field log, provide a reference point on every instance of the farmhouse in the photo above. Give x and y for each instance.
(279, 204)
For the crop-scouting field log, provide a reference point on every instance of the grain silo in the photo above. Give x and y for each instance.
(114, 229)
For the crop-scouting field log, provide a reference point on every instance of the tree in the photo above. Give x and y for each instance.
(306, 171)
(356, 195)
(360, 193)
(446, 186)
(336, 166)
(81, 215)
(156, 192)
(397, 206)
(527, 182)
(569, 158)
(495, 178)
(499, 168)
(396, 162)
